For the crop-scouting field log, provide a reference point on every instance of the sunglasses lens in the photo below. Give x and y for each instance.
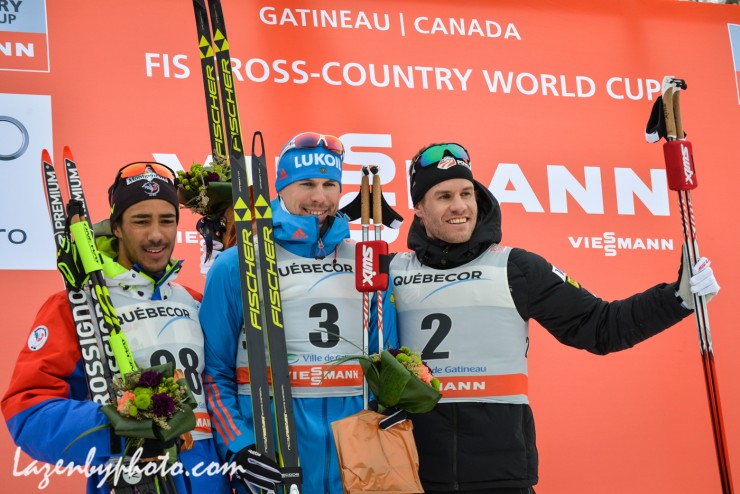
(309, 140)
(435, 154)
(132, 170)
(162, 171)
(135, 169)
(334, 145)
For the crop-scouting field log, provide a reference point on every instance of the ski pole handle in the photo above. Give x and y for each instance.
(668, 116)
(678, 152)
(377, 202)
(680, 134)
(365, 199)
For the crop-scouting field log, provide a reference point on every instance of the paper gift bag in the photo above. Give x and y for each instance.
(375, 460)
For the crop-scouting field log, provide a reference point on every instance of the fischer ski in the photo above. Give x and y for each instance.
(258, 381)
(277, 347)
(257, 252)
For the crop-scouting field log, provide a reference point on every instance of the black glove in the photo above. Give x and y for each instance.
(69, 262)
(255, 469)
(393, 415)
(153, 448)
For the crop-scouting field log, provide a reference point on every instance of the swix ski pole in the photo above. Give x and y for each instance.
(681, 175)
(377, 222)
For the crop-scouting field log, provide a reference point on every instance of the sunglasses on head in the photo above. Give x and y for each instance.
(139, 168)
(434, 154)
(309, 140)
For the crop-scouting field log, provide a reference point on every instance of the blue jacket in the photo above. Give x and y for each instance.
(221, 316)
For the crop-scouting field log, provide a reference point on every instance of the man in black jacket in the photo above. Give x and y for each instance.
(465, 301)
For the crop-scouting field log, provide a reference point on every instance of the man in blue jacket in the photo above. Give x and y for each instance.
(322, 314)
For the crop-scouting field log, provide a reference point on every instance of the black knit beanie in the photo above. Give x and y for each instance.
(424, 178)
(148, 184)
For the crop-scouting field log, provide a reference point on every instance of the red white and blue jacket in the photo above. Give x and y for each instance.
(47, 405)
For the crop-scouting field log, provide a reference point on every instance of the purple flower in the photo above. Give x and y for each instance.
(163, 405)
(211, 177)
(150, 379)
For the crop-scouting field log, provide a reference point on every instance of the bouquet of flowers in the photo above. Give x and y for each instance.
(400, 379)
(375, 459)
(205, 190)
(154, 404)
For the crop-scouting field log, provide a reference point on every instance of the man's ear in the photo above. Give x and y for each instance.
(418, 210)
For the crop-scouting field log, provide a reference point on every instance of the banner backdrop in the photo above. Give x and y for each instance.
(550, 98)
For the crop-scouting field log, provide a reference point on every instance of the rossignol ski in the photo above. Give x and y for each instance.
(84, 314)
(257, 263)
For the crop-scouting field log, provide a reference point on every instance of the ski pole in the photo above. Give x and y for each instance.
(681, 176)
(365, 222)
(378, 221)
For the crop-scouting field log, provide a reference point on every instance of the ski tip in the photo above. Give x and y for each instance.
(45, 156)
(68, 154)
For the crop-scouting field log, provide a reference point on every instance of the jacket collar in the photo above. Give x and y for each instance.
(134, 280)
(301, 235)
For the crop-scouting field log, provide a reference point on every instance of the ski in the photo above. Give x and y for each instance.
(253, 327)
(97, 372)
(75, 192)
(273, 310)
(257, 263)
(92, 262)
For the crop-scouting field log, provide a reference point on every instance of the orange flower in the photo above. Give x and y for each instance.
(123, 401)
(425, 374)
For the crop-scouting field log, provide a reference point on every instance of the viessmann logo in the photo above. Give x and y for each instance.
(611, 243)
(23, 40)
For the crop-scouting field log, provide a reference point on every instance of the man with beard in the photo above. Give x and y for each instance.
(466, 301)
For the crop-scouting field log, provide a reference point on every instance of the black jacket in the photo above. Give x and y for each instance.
(473, 446)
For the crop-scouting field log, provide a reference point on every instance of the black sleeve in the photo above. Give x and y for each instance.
(579, 319)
